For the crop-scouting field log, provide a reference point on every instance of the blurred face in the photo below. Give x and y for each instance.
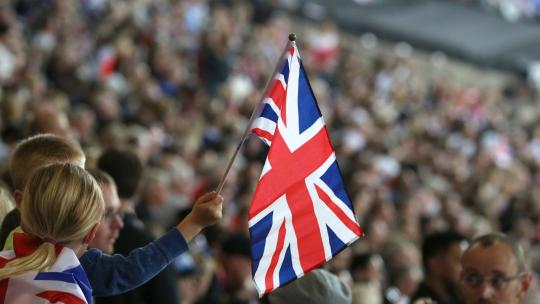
(157, 194)
(341, 261)
(490, 275)
(238, 270)
(111, 224)
(188, 289)
(451, 265)
(408, 284)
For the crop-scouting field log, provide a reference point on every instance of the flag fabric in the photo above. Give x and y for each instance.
(300, 215)
(64, 282)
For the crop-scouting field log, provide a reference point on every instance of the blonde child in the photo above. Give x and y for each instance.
(61, 208)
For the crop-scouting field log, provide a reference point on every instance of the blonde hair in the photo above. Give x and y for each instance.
(62, 202)
(41, 150)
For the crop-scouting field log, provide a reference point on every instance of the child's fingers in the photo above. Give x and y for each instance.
(218, 200)
(208, 196)
(216, 205)
(214, 201)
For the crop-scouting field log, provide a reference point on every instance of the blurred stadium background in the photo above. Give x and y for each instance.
(433, 109)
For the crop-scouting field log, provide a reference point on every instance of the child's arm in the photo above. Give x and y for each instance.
(115, 274)
(110, 275)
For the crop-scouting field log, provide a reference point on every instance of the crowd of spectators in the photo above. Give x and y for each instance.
(511, 10)
(176, 82)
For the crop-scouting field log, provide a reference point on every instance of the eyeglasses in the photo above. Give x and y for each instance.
(497, 281)
(111, 214)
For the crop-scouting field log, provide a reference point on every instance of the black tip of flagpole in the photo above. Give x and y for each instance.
(292, 37)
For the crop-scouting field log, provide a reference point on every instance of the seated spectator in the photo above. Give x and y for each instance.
(403, 283)
(154, 196)
(318, 286)
(192, 284)
(440, 255)
(236, 278)
(112, 222)
(60, 211)
(126, 168)
(50, 118)
(494, 271)
(367, 272)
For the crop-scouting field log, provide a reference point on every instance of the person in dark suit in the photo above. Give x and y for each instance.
(126, 169)
(441, 253)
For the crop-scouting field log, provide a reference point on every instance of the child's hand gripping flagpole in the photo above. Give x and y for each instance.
(255, 113)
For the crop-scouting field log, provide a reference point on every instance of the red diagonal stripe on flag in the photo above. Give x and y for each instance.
(353, 226)
(275, 257)
(289, 168)
(262, 133)
(277, 93)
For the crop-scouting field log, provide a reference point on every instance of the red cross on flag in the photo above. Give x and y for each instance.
(300, 215)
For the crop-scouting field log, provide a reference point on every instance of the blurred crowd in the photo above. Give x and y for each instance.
(511, 10)
(176, 82)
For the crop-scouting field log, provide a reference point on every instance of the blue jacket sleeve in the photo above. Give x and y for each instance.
(114, 274)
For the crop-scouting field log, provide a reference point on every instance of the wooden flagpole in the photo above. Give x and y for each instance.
(255, 113)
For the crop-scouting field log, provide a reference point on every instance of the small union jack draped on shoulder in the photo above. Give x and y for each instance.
(64, 282)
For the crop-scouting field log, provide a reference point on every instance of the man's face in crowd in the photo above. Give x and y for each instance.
(491, 275)
(450, 264)
(111, 224)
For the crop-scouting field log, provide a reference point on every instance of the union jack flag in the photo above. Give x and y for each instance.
(64, 282)
(300, 215)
